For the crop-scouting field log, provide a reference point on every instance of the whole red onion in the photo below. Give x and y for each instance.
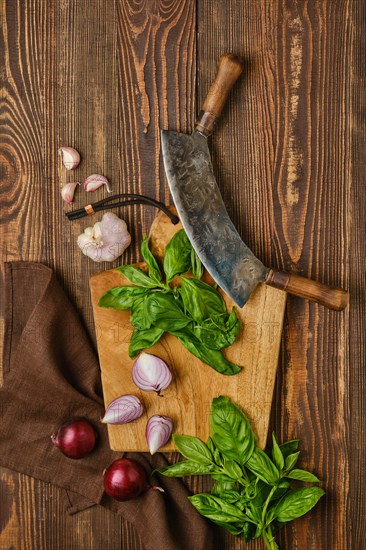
(75, 438)
(126, 479)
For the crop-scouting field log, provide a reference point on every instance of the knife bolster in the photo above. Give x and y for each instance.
(333, 298)
(206, 123)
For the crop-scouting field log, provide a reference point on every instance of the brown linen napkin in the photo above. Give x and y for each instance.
(51, 373)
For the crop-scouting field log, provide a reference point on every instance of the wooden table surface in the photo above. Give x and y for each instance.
(104, 76)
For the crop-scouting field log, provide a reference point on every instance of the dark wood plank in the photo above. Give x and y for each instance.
(356, 505)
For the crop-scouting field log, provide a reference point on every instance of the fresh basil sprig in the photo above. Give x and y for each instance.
(191, 310)
(252, 495)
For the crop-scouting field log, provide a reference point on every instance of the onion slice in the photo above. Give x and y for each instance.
(158, 432)
(122, 410)
(150, 373)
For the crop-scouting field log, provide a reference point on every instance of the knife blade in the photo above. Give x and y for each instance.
(199, 203)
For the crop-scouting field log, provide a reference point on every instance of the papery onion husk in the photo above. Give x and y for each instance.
(123, 410)
(150, 373)
(158, 432)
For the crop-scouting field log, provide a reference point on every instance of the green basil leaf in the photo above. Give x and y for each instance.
(233, 528)
(230, 495)
(262, 466)
(222, 477)
(219, 459)
(219, 330)
(221, 486)
(281, 490)
(185, 468)
(177, 258)
(277, 454)
(136, 276)
(210, 445)
(232, 469)
(121, 297)
(152, 264)
(291, 461)
(296, 503)
(142, 339)
(289, 447)
(200, 299)
(302, 475)
(164, 312)
(261, 494)
(248, 531)
(216, 508)
(213, 358)
(231, 430)
(138, 317)
(193, 448)
(196, 264)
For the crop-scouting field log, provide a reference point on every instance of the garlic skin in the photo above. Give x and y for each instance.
(95, 181)
(70, 157)
(68, 191)
(106, 240)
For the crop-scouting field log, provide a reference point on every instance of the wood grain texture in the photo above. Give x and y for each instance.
(188, 398)
(288, 155)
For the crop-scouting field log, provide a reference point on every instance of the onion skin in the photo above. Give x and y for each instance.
(125, 479)
(75, 438)
(151, 373)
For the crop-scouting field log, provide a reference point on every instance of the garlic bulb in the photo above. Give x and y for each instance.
(70, 157)
(106, 240)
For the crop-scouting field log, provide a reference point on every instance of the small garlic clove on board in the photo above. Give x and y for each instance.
(68, 191)
(70, 157)
(95, 181)
(106, 240)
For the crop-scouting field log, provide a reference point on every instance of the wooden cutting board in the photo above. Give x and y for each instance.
(187, 400)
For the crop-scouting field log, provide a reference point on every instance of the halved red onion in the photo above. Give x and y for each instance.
(122, 410)
(158, 432)
(150, 373)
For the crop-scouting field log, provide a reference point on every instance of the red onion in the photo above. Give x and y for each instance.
(158, 432)
(126, 479)
(75, 438)
(150, 373)
(122, 410)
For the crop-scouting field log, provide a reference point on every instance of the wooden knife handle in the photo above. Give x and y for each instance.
(333, 298)
(228, 71)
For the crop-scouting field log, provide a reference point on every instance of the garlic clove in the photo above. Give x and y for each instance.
(106, 240)
(68, 191)
(95, 181)
(70, 157)
(158, 432)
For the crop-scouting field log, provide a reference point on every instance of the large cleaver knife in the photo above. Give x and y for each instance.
(203, 214)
